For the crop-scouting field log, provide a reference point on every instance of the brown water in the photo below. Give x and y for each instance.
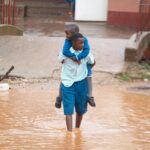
(28, 120)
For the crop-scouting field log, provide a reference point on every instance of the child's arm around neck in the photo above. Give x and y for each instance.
(68, 44)
(85, 51)
(66, 48)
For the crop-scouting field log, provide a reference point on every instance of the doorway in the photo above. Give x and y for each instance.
(95, 10)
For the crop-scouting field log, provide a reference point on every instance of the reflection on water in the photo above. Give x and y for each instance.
(28, 120)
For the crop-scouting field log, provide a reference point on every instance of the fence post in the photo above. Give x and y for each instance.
(8, 11)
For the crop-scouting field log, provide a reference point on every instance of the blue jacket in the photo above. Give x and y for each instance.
(68, 45)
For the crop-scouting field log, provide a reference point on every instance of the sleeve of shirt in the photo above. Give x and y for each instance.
(66, 49)
(90, 59)
(61, 57)
(85, 51)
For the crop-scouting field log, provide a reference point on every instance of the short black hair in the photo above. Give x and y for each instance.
(74, 28)
(76, 36)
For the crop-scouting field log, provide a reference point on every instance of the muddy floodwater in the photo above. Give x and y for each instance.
(29, 121)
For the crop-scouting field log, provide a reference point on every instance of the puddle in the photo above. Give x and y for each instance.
(121, 121)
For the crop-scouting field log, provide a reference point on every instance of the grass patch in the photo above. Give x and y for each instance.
(124, 76)
(135, 72)
(146, 66)
(130, 77)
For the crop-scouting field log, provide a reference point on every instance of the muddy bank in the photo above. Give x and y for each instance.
(99, 79)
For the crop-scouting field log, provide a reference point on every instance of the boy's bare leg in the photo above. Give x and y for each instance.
(78, 120)
(69, 122)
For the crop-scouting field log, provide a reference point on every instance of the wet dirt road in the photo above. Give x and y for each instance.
(28, 120)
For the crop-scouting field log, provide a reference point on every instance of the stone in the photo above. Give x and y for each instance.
(10, 30)
(136, 46)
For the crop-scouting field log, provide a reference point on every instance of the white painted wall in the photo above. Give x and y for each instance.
(91, 10)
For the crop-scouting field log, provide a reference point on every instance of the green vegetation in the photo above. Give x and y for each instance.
(136, 72)
(146, 66)
(124, 76)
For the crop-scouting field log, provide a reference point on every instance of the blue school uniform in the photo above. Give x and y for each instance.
(75, 96)
(74, 86)
(66, 51)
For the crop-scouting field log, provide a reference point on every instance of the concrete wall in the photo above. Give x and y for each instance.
(123, 13)
(136, 47)
(10, 30)
(123, 6)
(32, 8)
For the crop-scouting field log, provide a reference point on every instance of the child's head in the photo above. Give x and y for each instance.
(77, 41)
(71, 29)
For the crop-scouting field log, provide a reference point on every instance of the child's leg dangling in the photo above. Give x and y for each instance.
(58, 98)
(90, 95)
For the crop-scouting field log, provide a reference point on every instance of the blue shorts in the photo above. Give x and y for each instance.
(75, 96)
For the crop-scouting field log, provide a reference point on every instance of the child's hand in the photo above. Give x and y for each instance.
(63, 61)
(93, 64)
(73, 58)
(77, 61)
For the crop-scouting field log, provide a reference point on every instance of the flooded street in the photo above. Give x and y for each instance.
(28, 120)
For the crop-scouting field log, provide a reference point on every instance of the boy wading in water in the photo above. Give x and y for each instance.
(74, 86)
(70, 30)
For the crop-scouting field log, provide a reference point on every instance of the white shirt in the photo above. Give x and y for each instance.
(73, 72)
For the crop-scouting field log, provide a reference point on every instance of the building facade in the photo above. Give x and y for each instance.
(123, 13)
(128, 13)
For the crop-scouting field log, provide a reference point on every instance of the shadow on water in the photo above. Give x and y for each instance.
(29, 120)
